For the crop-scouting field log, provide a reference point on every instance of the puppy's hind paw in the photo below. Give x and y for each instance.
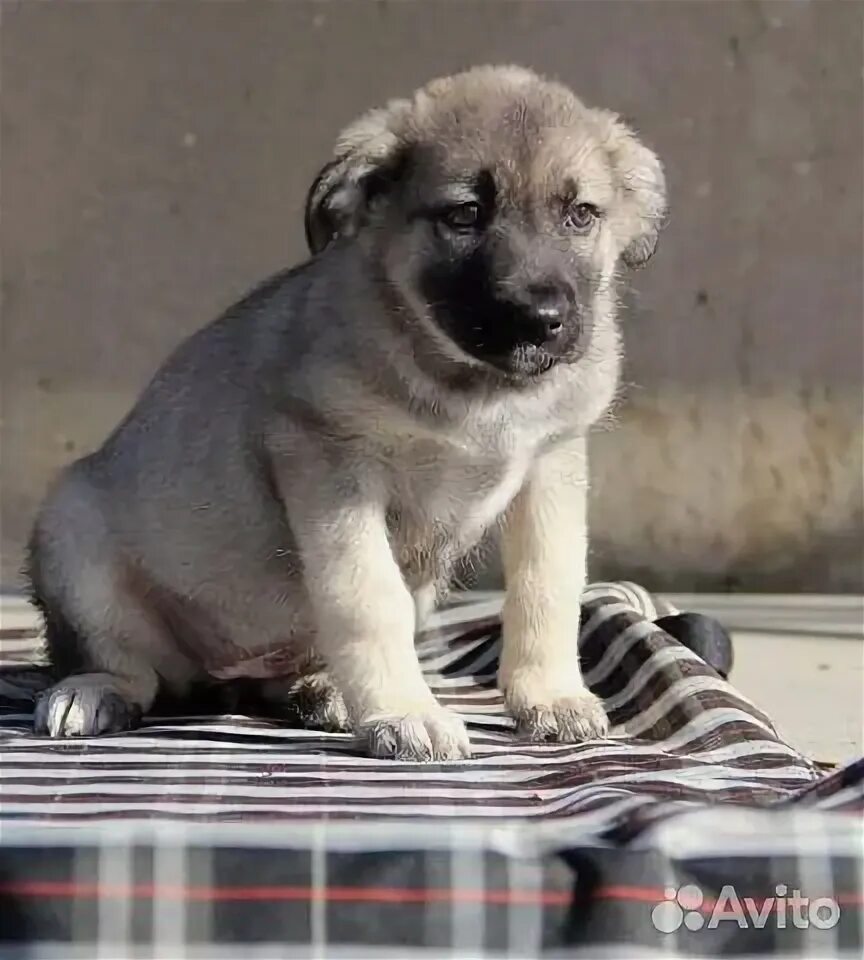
(311, 701)
(428, 736)
(74, 709)
(320, 704)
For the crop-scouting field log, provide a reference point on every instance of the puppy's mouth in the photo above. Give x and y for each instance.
(524, 360)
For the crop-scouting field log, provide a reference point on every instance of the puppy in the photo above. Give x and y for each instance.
(291, 492)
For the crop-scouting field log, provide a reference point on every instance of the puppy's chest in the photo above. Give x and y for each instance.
(445, 496)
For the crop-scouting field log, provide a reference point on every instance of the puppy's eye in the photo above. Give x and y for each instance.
(580, 216)
(462, 216)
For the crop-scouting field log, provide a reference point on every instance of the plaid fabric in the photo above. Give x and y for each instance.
(202, 836)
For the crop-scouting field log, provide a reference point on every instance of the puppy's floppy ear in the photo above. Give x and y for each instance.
(642, 189)
(366, 153)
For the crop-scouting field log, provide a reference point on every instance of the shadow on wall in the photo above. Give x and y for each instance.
(155, 163)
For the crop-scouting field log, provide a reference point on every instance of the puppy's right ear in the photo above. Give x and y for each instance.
(366, 154)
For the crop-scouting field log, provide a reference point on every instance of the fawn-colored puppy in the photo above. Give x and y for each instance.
(292, 490)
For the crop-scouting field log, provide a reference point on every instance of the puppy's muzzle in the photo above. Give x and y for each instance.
(535, 328)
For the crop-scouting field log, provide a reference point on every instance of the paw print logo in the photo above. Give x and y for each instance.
(679, 907)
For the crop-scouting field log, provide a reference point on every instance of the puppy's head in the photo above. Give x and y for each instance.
(500, 208)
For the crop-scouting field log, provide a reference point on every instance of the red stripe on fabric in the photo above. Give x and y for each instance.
(71, 889)
(281, 892)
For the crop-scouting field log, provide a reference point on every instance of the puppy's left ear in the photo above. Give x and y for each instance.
(366, 155)
(642, 189)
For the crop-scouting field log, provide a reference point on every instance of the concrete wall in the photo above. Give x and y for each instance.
(154, 162)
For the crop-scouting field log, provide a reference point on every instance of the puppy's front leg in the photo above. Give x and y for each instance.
(365, 629)
(544, 551)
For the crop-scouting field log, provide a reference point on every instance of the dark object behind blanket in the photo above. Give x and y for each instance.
(704, 636)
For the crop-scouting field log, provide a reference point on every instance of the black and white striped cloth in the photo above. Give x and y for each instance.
(690, 763)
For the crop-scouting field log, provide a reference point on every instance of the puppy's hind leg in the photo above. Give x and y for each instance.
(112, 684)
(105, 645)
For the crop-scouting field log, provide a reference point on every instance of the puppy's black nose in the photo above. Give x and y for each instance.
(549, 306)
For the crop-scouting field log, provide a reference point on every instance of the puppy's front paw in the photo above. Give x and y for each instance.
(563, 718)
(435, 734)
(77, 709)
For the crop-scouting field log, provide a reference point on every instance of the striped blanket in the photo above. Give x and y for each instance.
(545, 846)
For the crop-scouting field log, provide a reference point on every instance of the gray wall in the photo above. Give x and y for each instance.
(154, 163)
